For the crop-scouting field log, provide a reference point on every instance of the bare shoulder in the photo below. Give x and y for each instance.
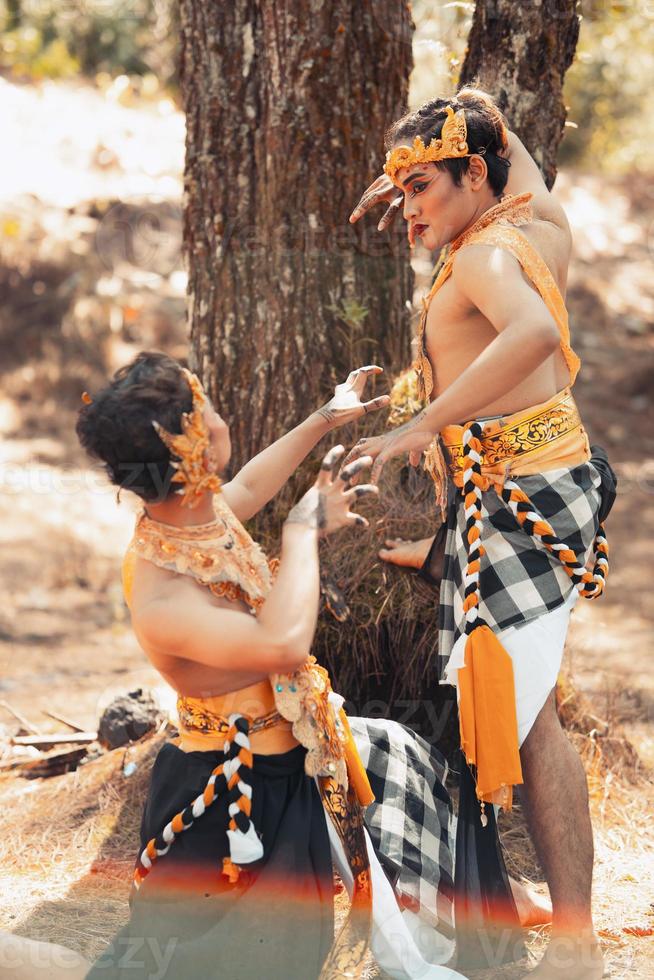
(493, 280)
(164, 617)
(484, 262)
(487, 263)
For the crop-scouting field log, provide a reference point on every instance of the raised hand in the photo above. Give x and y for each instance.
(381, 191)
(346, 405)
(326, 506)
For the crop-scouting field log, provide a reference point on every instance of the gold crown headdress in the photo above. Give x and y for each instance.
(196, 462)
(452, 143)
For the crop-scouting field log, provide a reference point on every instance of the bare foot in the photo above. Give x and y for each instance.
(533, 908)
(570, 958)
(407, 554)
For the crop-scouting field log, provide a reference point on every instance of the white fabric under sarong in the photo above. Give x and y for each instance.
(536, 650)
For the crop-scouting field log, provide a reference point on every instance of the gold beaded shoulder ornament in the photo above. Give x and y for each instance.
(196, 463)
(452, 143)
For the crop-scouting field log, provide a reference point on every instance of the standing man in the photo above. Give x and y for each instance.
(525, 510)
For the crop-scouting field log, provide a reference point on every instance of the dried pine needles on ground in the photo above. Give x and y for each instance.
(67, 846)
(621, 796)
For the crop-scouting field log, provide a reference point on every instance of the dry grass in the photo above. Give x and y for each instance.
(67, 846)
(621, 802)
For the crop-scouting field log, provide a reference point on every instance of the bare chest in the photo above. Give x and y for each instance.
(456, 332)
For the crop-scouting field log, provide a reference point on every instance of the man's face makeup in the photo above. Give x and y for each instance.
(432, 205)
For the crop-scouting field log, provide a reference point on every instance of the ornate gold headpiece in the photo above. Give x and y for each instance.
(452, 143)
(195, 463)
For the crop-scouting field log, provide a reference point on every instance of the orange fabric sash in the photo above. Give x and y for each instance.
(488, 723)
(356, 772)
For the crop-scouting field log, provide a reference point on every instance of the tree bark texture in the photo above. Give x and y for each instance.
(286, 103)
(520, 53)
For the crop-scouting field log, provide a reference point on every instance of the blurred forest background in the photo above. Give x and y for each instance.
(91, 271)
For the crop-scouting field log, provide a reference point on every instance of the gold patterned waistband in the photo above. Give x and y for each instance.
(196, 719)
(544, 436)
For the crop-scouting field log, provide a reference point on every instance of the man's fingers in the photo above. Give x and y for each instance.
(357, 379)
(373, 406)
(368, 369)
(361, 490)
(332, 457)
(328, 463)
(361, 375)
(358, 519)
(349, 472)
(364, 205)
(378, 467)
(390, 213)
(354, 453)
(371, 196)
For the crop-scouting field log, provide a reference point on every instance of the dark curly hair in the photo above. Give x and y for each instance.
(486, 133)
(116, 427)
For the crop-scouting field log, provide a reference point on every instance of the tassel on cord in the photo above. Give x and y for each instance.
(244, 844)
(230, 777)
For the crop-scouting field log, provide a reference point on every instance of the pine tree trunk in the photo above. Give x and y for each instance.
(520, 54)
(286, 105)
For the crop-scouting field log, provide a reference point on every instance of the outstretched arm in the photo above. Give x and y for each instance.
(260, 479)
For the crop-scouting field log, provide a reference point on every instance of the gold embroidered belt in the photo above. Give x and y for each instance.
(201, 728)
(545, 436)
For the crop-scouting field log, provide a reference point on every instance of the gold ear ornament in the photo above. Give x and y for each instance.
(195, 464)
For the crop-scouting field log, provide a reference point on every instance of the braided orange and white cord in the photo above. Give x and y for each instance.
(472, 490)
(589, 584)
(231, 776)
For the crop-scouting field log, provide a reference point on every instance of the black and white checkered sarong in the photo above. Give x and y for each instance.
(411, 824)
(519, 579)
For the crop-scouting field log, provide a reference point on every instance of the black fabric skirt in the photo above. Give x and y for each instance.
(188, 922)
